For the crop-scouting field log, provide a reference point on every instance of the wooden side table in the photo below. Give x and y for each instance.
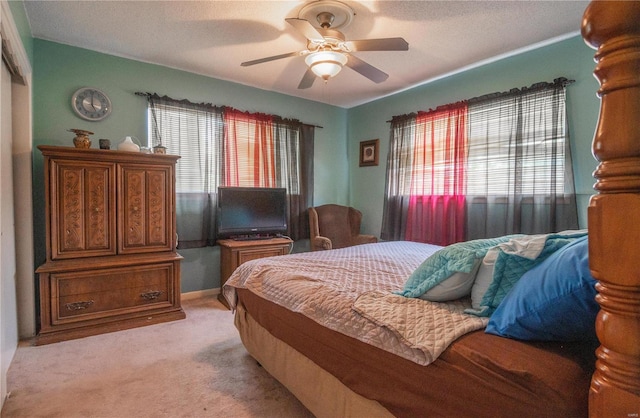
(233, 253)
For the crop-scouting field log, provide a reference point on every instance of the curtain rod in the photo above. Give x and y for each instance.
(561, 81)
(209, 105)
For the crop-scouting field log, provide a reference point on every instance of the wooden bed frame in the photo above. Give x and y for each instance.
(614, 212)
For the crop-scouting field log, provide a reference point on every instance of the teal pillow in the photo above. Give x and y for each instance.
(510, 266)
(554, 301)
(462, 257)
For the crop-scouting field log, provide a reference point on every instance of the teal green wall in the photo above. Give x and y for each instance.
(22, 24)
(59, 70)
(570, 58)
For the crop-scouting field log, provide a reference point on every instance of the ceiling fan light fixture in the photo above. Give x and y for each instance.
(326, 64)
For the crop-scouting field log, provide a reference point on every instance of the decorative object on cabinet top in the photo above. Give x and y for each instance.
(127, 144)
(81, 139)
(105, 143)
(91, 104)
(159, 149)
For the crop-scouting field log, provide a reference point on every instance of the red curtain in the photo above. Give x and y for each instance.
(249, 149)
(436, 207)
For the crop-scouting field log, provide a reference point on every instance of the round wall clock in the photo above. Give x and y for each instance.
(91, 104)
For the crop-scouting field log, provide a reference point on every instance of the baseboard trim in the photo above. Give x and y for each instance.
(200, 293)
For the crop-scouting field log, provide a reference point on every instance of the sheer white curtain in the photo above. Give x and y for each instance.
(398, 180)
(520, 177)
(195, 132)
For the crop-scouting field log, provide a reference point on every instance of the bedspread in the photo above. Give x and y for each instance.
(427, 326)
(325, 286)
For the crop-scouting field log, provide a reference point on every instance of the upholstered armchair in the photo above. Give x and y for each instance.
(334, 226)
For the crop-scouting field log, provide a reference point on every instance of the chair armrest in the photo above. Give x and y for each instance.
(320, 243)
(365, 239)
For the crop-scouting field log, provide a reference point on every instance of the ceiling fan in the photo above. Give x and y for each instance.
(327, 48)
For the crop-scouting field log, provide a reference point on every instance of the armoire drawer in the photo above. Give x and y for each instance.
(82, 296)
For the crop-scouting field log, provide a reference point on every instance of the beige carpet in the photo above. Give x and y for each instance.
(195, 367)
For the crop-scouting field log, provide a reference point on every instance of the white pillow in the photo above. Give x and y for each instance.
(484, 277)
(456, 286)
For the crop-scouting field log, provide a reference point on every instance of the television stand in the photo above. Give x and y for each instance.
(234, 252)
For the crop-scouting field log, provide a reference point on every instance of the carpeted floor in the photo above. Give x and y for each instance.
(195, 367)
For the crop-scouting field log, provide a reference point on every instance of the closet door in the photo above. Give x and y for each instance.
(146, 208)
(8, 319)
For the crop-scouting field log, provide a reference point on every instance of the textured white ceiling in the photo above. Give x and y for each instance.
(213, 37)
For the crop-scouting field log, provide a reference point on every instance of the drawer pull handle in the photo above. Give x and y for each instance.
(151, 295)
(78, 306)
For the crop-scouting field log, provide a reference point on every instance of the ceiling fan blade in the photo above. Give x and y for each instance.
(307, 79)
(306, 28)
(367, 70)
(273, 58)
(383, 44)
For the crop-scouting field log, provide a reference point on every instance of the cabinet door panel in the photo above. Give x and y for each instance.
(158, 182)
(83, 199)
(146, 214)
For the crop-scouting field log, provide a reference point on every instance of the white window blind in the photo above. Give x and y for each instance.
(196, 136)
(517, 145)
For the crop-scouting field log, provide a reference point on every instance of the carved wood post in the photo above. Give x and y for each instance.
(613, 28)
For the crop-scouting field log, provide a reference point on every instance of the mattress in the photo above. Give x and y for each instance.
(479, 375)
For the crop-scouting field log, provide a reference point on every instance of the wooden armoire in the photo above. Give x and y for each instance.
(111, 260)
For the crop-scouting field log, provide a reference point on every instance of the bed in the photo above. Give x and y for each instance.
(338, 308)
(318, 322)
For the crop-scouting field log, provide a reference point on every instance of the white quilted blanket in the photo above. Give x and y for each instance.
(427, 326)
(349, 290)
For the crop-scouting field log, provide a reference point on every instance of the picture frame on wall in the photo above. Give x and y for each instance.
(369, 152)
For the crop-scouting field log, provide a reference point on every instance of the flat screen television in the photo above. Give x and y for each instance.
(251, 212)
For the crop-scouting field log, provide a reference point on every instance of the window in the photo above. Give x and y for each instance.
(516, 145)
(221, 146)
(500, 166)
(195, 135)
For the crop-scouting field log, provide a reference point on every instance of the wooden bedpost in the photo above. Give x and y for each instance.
(613, 28)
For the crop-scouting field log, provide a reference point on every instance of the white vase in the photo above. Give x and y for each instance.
(128, 145)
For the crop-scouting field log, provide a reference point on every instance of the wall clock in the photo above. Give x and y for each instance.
(91, 104)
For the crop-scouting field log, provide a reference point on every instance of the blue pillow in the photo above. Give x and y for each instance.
(554, 301)
(511, 266)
